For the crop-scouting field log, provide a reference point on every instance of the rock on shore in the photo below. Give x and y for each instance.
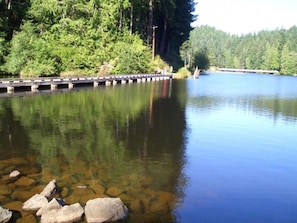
(14, 174)
(35, 203)
(50, 189)
(50, 209)
(105, 210)
(5, 215)
(62, 214)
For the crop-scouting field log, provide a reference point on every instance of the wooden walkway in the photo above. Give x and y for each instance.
(38, 84)
(275, 72)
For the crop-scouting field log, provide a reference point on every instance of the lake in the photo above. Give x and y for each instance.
(221, 148)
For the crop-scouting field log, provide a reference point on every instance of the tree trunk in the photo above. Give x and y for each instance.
(150, 25)
(131, 20)
(163, 40)
(121, 18)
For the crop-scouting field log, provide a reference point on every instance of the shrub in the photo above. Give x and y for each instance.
(182, 73)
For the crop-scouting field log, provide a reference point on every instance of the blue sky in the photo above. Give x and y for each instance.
(246, 16)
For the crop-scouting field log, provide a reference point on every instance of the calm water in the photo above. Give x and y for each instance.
(221, 148)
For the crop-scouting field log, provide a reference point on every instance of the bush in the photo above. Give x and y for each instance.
(159, 64)
(131, 57)
(182, 73)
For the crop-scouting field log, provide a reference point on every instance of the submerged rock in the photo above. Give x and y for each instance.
(14, 205)
(105, 209)
(114, 191)
(22, 195)
(5, 215)
(5, 190)
(24, 181)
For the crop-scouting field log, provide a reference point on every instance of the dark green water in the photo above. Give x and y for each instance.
(221, 148)
(125, 141)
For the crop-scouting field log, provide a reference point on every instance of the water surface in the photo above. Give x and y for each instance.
(241, 150)
(221, 148)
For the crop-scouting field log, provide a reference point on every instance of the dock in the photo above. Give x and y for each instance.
(53, 83)
(274, 72)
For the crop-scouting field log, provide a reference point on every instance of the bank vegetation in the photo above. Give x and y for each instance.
(93, 37)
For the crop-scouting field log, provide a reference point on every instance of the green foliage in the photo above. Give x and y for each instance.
(201, 60)
(269, 50)
(182, 73)
(20, 52)
(131, 60)
(271, 58)
(289, 61)
(159, 64)
(83, 36)
(30, 55)
(2, 52)
(186, 53)
(3, 33)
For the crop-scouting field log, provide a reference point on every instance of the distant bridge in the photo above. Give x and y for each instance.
(274, 72)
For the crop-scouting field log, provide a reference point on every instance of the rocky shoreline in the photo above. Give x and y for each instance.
(148, 198)
(50, 209)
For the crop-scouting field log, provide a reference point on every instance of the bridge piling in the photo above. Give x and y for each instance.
(10, 89)
(53, 86)
(34, 87)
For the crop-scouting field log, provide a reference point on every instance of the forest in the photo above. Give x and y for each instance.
(91, 37)
(266, 50)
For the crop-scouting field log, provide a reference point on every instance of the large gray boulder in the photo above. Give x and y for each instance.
(35, 203)
(105, 210)
(65, 214)
(5, 215)
(50, 189)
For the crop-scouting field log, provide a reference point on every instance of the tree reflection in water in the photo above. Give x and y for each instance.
(124, 141)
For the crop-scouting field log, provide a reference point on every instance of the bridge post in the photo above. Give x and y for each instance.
(96, 84)
(114, 82)
(107, 83)
(53, 86)
(10, 89)
(70, 85)
(34, 87)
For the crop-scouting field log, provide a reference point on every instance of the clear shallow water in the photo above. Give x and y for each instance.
(221, 148)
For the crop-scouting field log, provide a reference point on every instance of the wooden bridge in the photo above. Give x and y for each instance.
(37, 84)
(274, 72)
